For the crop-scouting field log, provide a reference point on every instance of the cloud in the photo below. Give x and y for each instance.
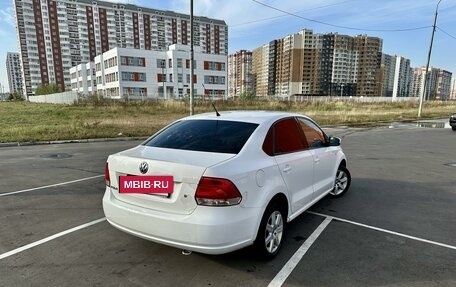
(7, 16)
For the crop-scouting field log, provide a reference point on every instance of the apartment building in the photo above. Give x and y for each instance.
(260, 70)
(396, 76)
(13, 70)
(453, 89)
(305, 63)
(438, 86)
(240, 77)
(370, 55)
(55, 35)
(128, 73)
(443, 89)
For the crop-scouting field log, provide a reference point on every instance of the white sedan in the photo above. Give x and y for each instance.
(215, 183)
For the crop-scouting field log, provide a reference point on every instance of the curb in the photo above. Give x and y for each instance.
(16, 144)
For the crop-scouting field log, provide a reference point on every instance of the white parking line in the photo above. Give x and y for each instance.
(44, 240)
(51, 185)
(286, 270)
(386, 230)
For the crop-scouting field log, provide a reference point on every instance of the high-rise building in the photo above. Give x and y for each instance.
(13, 69)
(438, 84)
(453, 89)
(369, 51)
(305, 63)
(396, 76)
(240, 77)
(443, 89)
(57, 35)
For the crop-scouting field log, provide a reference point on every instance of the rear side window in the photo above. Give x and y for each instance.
(204, 135)
(283, 137)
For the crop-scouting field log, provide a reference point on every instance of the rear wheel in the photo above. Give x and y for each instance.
(341, 183)
(271, 231)
(453, 128)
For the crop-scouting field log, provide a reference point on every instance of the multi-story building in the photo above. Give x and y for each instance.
(396, 76)
(453, 89)
(318, 64)
(13, 69)
(443, 89)
(240, 77)
(369, 50)
(438, 84)
(130, 73)
(260, 70)
(83, 78)
(57, 35)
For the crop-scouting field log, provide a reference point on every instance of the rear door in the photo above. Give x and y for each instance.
(295, 162)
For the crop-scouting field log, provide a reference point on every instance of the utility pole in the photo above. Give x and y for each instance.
(428, 60)
(192, 56)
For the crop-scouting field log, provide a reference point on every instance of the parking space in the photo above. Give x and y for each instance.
(401, 183)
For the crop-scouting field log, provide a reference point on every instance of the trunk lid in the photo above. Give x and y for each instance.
(186, 167)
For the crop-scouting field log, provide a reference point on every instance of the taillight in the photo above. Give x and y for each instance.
(107, 178)
(213, 191)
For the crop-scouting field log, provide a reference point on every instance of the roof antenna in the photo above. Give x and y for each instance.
(216, 112)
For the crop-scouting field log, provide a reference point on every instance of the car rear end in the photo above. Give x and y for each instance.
(202, 213)
(453, 121)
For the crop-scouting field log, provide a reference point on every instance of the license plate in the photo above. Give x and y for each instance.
(150, 184)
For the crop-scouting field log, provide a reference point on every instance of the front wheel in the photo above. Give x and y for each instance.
(453, 128)
(270, 233)
(341, 183)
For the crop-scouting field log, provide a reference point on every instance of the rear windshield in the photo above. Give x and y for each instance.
(204, 135)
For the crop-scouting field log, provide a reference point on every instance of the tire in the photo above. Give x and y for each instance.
(270, 234)
(453, 128)
(341, 182)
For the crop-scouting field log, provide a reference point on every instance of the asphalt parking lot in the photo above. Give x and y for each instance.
(395, 227)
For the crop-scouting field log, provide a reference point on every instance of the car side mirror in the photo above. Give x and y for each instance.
(334, 141)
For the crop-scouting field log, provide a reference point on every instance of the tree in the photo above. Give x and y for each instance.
(15, 97)
(47, 89)
(247, 95)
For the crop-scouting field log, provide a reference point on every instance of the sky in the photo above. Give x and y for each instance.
(404, 25)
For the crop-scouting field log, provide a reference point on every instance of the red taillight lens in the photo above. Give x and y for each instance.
(213, 191)
(107, 178)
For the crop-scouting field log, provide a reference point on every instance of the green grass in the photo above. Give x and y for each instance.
(24, 121)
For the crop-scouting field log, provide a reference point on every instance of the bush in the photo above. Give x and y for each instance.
(15, 97)
(47, 89)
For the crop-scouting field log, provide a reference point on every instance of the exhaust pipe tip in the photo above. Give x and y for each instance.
(186, 252)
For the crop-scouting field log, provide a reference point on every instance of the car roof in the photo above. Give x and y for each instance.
(257, 117)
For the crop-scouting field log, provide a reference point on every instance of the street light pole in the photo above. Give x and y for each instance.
(192, 68)
(428, 60)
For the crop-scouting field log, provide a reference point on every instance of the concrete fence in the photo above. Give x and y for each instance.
(72, 97)
(345, 99)
(66, 98)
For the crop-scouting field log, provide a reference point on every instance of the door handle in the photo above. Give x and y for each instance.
(316, 160)
(287, 168)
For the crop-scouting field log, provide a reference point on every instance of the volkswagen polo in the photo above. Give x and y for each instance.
(214, 183)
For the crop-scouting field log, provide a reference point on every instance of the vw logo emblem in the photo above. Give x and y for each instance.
(143, 167)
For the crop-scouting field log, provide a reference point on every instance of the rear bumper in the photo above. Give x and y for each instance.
(209, 230)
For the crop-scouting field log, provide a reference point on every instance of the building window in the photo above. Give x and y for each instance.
(161, 63)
